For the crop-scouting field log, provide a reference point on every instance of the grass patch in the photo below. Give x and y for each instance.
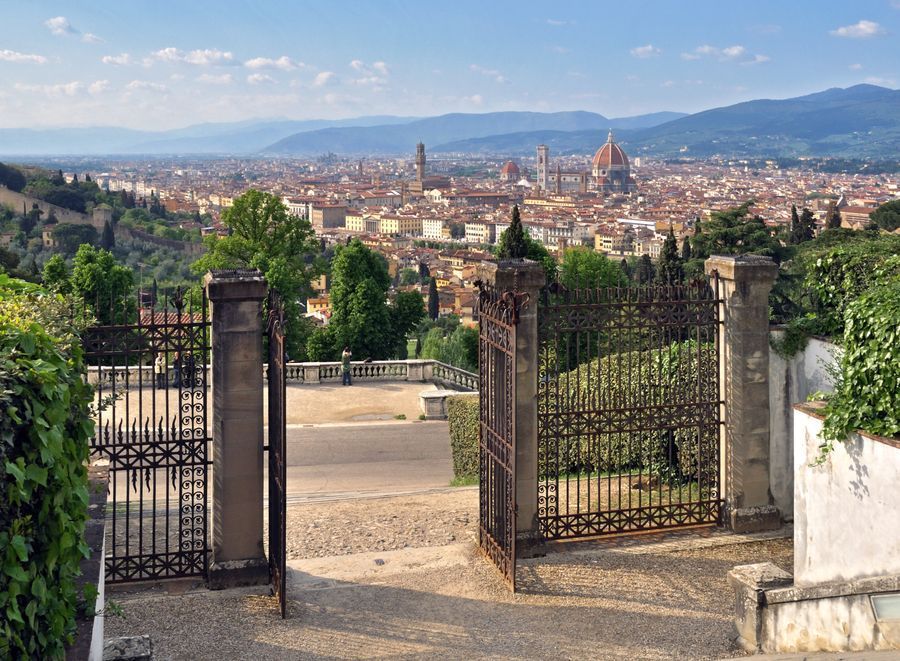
(400, 416)
(464, 481)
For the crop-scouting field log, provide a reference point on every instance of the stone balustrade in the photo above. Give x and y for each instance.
(433, 371)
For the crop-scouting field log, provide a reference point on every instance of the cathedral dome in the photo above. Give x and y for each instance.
(609, 157)
(510, 168)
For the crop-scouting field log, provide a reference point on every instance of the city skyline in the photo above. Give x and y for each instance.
(162, 65)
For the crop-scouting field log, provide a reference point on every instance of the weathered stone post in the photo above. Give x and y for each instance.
(745, 282)
(237, 394)
(525, 277)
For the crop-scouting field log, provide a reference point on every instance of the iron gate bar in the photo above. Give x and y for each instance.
(497, 319)
(277, 447)
(628, 408)
(157, 451)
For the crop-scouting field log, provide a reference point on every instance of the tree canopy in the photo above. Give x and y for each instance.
(265, 236)
(583, 267)
(887, 216)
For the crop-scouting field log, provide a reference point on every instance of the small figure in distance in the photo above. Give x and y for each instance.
(160, 368)
(176, 367)
(345, 366)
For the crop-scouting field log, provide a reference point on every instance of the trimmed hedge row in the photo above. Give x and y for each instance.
(44, 430)
(462, 416)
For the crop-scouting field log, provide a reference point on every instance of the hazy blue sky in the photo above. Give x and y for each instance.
(164, 64)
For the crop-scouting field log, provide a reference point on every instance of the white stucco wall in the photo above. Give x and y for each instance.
(791, 381)
(846, 517)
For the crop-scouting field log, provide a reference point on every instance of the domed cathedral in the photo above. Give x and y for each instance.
(611, 170)
(509, 172)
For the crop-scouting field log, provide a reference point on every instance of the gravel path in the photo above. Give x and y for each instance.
(663, 598)
(342, 527)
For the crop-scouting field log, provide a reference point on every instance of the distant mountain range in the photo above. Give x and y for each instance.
(858, 122)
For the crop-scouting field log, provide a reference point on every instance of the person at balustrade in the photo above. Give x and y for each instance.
(345, 366)
(160, 368)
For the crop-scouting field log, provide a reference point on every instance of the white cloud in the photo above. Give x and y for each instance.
(375, 74)
(644, 52)
(490, 73)
(118, 60)
(284, 63)
(98, 87)
(60, 26)
(668, 83)
(90, 38)
(862, 30)
(475, 100)
(322, 78)
(53, 91)
(15, 56)
(260, 78)
(199, 57)
(224, 79)
(757, 59)
(855, 67)
(736, 53)
(136, 85)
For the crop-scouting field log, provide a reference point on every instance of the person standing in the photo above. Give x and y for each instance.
(176, 367)
(345, 366)
(159, 368)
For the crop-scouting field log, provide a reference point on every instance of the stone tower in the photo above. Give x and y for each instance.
(420, 162)
(543, 160)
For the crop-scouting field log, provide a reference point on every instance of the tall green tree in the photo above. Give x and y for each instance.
(887, 216)
(265, 236)
(670, 268)
(512, 244)
(734, 232)
(806, 230)
(434, 301)
(56, 275)
(583, 267)
(686, 249)
(68, 237)
(406, 313)
(106, 286)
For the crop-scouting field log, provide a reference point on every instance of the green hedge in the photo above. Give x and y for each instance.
(462, 416)
(867, 395)
(632, 380)
(44, 430)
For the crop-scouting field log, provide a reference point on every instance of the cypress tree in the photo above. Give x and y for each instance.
(794, 229)
(645, 270)
(107, 237)
(670, 270)
(512, 242)
(625, 268)
(833, 221)
(807, 226)
(434, 302)
(686, 249)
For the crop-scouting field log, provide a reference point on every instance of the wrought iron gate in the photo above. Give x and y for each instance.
(149, 370)
(628, 408)
(497, 319)
(277, 450)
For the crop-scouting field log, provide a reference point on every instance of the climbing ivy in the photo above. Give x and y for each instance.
(867, 394)
(44, 430)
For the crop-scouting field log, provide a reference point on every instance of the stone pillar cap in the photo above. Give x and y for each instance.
(742, 267)
(235, 285)
(526, 273)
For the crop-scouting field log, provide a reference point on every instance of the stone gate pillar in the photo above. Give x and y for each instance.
(237, 395)
(745, 282)
(528, 277)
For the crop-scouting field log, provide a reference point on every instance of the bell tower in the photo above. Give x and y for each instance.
(420, 162)
(543, 158)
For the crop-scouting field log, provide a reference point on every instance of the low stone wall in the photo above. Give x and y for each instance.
(845, 591)
(792, 380)
(846, 517)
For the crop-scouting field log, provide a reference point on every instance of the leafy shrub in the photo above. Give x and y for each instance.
(462, 416)
(44, 432)
(632, 380)
(867, 394)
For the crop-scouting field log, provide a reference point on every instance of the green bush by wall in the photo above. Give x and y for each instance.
(867, 394)
(44, 430)
(462, 417)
